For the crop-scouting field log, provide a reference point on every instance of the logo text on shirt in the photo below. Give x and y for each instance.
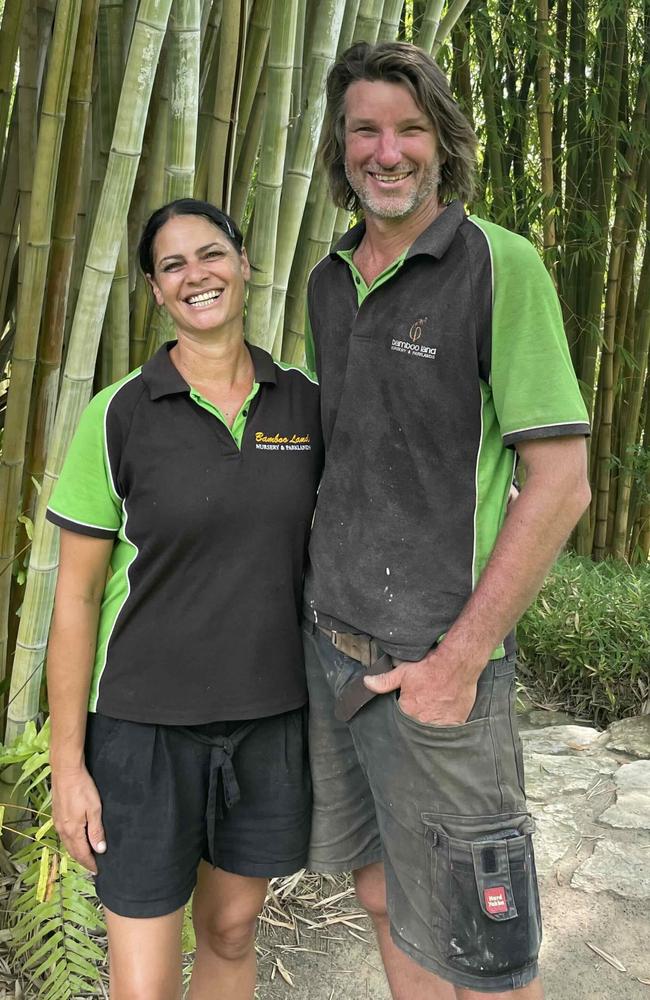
(413, 346)
(282, 442)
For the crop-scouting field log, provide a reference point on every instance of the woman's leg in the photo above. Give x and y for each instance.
(225, 910)
(144, 955)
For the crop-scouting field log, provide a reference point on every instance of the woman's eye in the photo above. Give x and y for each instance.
(172, 266)
(214, 253)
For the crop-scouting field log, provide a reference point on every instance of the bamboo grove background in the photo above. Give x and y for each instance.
(109, 108)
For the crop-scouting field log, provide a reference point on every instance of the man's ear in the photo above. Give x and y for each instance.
(245, 265)
(157, 294)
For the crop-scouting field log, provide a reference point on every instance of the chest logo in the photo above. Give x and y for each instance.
(412, 343)
(282, 442)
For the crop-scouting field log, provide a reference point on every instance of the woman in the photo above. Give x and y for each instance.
(176, 686)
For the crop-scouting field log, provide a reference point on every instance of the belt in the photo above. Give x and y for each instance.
(222, 785)
(365, 650)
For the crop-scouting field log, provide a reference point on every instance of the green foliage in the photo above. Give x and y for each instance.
(53, 912)
(584, 642)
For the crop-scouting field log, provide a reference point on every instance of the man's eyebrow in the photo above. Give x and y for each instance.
(179, 256)
(406, 123)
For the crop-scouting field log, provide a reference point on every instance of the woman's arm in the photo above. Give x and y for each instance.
(71, 651)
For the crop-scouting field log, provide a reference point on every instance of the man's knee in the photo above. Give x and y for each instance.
(370, 886)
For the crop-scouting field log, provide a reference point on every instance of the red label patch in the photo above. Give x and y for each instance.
(495, 899)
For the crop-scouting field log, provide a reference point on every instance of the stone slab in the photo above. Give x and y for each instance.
(631, 736)
(559, 739)
(623, 869)
(631, 810)
(558, 829)
(549, 776)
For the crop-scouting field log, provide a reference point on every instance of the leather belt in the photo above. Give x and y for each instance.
(365, 650)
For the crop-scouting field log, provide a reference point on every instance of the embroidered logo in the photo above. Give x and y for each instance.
(495, 899)
(282, 442)
(412, 345)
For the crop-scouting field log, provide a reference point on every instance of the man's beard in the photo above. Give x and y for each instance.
(394, 206)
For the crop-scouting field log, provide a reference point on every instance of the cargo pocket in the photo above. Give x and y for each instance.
(485, 906)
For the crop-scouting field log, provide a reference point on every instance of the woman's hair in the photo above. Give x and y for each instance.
(183, 206)
(398, 62)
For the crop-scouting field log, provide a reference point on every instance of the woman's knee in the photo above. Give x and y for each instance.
(370, 887)
(230, 936)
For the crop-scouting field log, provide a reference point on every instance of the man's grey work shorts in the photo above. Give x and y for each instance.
(444, 808)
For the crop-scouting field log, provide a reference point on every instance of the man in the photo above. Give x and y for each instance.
(440, 351)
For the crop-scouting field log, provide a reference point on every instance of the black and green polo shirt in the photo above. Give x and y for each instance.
(200, 616)
(428, 378)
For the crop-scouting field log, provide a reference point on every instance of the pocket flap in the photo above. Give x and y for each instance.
(493, 881)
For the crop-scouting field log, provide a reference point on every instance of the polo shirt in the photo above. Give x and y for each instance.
(200, 616)
(429, 378)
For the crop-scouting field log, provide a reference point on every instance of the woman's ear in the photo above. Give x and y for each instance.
(157, 294)
(245, 265)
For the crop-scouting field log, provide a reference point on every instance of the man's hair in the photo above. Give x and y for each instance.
(398, 62)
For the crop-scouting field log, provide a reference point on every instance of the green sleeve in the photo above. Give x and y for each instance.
(534, 387)
(84, 499)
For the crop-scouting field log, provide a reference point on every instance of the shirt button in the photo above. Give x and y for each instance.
(357, 280)
(245, 412)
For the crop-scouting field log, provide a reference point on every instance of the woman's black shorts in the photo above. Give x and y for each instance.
(235, 794)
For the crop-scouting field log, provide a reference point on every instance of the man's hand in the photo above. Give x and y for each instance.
(430, 690)
(77, 813)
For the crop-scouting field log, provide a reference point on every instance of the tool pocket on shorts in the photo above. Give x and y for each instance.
(485, 905)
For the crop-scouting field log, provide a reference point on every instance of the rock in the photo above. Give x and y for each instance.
(556, 831)
(630, 736)
(550, 776)
(619, 868)
(559, 739)
(632, 808)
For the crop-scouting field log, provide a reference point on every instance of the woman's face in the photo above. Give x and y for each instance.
(199, 277)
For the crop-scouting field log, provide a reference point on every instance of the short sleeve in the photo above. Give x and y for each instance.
(534, 386)
(84, 499)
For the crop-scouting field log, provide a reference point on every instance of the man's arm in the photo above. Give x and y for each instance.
(441, 688)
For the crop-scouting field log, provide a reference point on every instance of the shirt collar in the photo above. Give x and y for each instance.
(162, 378)
(435, 240)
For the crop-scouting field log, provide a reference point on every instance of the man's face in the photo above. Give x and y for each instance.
(391, 149)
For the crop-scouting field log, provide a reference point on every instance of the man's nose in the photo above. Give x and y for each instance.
(388, 152)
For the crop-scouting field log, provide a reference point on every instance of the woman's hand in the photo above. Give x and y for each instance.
(77, 814)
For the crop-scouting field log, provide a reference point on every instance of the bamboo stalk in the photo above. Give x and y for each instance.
(297, 178)
(262, 245)
(9, 38)
(454, 11)
(545, 126)
(248, 154)
(31, 293)
(68, 198)
(257, 43)
(430, 24)
(183, 108)
(104, 246)
(224, 121)
(390, 21)
(8, 217)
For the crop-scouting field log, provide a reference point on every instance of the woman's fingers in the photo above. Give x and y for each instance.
(78, 817)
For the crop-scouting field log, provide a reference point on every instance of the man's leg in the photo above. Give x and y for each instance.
(407, 980)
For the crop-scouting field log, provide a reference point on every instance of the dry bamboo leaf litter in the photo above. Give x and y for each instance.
(611, 959)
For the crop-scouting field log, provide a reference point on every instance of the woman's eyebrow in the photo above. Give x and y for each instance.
(179, 256)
